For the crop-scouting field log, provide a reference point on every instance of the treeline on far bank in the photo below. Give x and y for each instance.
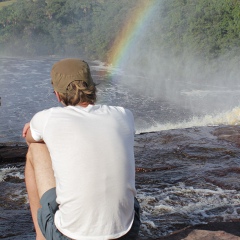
(50, 27)
(206, 28)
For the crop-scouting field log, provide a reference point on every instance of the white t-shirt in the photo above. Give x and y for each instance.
(93, 161)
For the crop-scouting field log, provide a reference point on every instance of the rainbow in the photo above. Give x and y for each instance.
(133, 27)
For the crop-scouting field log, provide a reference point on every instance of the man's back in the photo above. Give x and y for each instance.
(80, 168)
(92, 155)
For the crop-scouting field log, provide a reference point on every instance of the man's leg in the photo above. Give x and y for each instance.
(39, 178)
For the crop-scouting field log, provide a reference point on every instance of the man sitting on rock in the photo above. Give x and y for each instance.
(80, 167)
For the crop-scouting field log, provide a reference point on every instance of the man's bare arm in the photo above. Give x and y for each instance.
(26, 133)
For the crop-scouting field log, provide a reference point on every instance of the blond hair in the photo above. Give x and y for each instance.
(78, 92)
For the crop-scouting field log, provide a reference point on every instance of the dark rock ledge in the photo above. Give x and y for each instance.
(210, 231)
(10, 153)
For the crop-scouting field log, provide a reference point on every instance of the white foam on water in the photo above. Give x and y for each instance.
(145, 226)
(162, 208)
(4, 172)
(17, 175)
(102, 66)
(231, 117)
(188, 205)
(11, 172)
(204, 93)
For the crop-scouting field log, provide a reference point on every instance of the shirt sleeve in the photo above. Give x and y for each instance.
(38, 123)
(131, 119)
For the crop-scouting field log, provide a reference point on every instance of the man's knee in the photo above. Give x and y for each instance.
(29, 154)
(35, 151)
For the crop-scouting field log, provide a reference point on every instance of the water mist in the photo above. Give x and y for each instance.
(207, 91)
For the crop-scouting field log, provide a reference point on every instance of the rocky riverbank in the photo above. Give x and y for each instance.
(210, 231)
(177, 149)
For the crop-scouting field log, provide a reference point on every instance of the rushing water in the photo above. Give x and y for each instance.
(184, 176)
(25, 89)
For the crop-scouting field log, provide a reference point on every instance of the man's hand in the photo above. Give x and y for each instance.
(25, 129)
(26, 133)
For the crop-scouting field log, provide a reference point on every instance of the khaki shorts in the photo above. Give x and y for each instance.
(49, 208)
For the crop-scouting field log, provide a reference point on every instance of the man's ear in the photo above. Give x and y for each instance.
(57, 96)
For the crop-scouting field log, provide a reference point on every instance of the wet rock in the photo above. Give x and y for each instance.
(16, 224)
(210, 231)
(202, 159)
(229, 133)
(12, 152)
(210, 235)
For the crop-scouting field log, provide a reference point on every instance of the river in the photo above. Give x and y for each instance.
(187, 163)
